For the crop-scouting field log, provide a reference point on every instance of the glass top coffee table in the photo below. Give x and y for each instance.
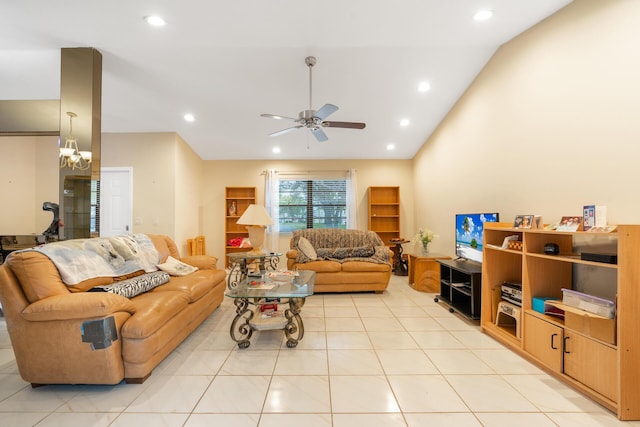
(273, 301)
(239, 265)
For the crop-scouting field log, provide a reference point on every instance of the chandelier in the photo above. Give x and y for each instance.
(70, 156)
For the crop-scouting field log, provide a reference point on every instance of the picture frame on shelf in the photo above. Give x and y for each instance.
(594, 217)
(570, 223)
(537, 222)
(588, 217)
(523, 221)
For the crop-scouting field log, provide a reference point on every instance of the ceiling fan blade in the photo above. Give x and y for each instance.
(283, 131)
(325, 111)
(319, 134)
(348, 125)
(277, 117)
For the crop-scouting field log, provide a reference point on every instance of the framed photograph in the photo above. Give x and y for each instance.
(594, 216)
(588, 217)
(523, 221)
(570, 223)
(537, 222)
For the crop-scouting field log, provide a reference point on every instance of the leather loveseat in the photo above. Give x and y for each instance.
(68, 334)
(344, 260)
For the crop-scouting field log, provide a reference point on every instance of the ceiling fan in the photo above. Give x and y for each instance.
(312, 119)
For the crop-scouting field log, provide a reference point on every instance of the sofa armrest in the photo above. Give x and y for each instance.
(80, 305)
(292, 254)
(203, 262)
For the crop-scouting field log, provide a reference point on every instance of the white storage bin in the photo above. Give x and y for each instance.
(600, 306)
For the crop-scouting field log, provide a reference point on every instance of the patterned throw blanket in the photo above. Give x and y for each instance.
(82, 259)
(344, 245)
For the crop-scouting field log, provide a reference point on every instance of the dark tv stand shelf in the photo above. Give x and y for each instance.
(460, 286)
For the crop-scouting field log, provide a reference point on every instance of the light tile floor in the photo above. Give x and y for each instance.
(391, 359)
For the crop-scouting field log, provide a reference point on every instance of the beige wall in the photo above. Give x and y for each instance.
(548, 126)
(188, 194)
(221, 174)
(151, 156)
(28, 178)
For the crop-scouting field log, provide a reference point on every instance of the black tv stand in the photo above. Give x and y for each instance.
(460, 286)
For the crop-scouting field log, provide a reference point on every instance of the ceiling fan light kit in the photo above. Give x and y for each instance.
(312, 119)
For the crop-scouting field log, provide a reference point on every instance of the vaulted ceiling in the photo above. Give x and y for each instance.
(226, 62)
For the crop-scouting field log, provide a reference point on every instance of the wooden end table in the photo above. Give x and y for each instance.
(424, 271)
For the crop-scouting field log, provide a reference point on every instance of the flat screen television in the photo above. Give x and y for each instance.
(469, 233)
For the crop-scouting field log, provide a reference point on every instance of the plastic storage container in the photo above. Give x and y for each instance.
(600, 306)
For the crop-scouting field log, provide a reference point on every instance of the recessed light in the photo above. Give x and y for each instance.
(483, 15)
(156, 21)
(276, 150)
(391, 147)
(424, 87)
(404, 122)
(189, 117)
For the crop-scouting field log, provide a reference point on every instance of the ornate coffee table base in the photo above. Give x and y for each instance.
(244, 324)
(240, 324)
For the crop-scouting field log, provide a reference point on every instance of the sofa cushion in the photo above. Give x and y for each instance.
(321, 266)
(363, 266)
(129, 288)
(164, 246)
(152, 311)
(203, 262)
(306, 251)
(176, 268)
(342, 253)
(195, 285)
(38, 276)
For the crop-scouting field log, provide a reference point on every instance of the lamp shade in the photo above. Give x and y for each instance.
(255, 215)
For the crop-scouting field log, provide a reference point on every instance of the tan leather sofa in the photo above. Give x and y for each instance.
(346, 260)
(51, 326)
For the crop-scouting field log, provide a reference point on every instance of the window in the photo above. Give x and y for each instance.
(94, 215)
(312, 204)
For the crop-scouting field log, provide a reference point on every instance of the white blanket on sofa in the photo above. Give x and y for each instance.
(82, 259)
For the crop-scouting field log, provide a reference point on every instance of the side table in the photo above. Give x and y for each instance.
(424, 272)
(399, 264)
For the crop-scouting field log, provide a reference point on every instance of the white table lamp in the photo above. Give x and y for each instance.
(256, 218)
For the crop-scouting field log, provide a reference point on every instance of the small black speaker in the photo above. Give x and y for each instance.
(551, 249)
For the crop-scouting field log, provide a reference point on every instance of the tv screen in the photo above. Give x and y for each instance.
(469, 233)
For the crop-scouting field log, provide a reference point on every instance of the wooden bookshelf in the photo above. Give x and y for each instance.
(243, 197)
(606, 370)
(384, 212)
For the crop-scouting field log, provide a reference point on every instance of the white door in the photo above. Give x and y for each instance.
(116, 201)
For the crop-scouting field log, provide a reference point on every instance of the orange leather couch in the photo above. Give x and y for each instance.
(47, 322)
(339, 265)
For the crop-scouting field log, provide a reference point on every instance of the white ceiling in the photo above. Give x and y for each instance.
(227, 62)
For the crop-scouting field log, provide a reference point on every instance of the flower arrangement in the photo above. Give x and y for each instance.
(424, 236)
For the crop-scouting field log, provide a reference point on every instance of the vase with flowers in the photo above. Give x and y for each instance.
(424, 237)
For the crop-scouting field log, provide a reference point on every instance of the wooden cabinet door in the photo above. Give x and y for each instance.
(543, 340)
(592, 363)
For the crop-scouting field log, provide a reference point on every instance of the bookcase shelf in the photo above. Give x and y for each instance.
(606, 370)
(384, 212)
(243, 197)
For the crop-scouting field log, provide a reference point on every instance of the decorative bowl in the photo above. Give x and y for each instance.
(281, 276)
